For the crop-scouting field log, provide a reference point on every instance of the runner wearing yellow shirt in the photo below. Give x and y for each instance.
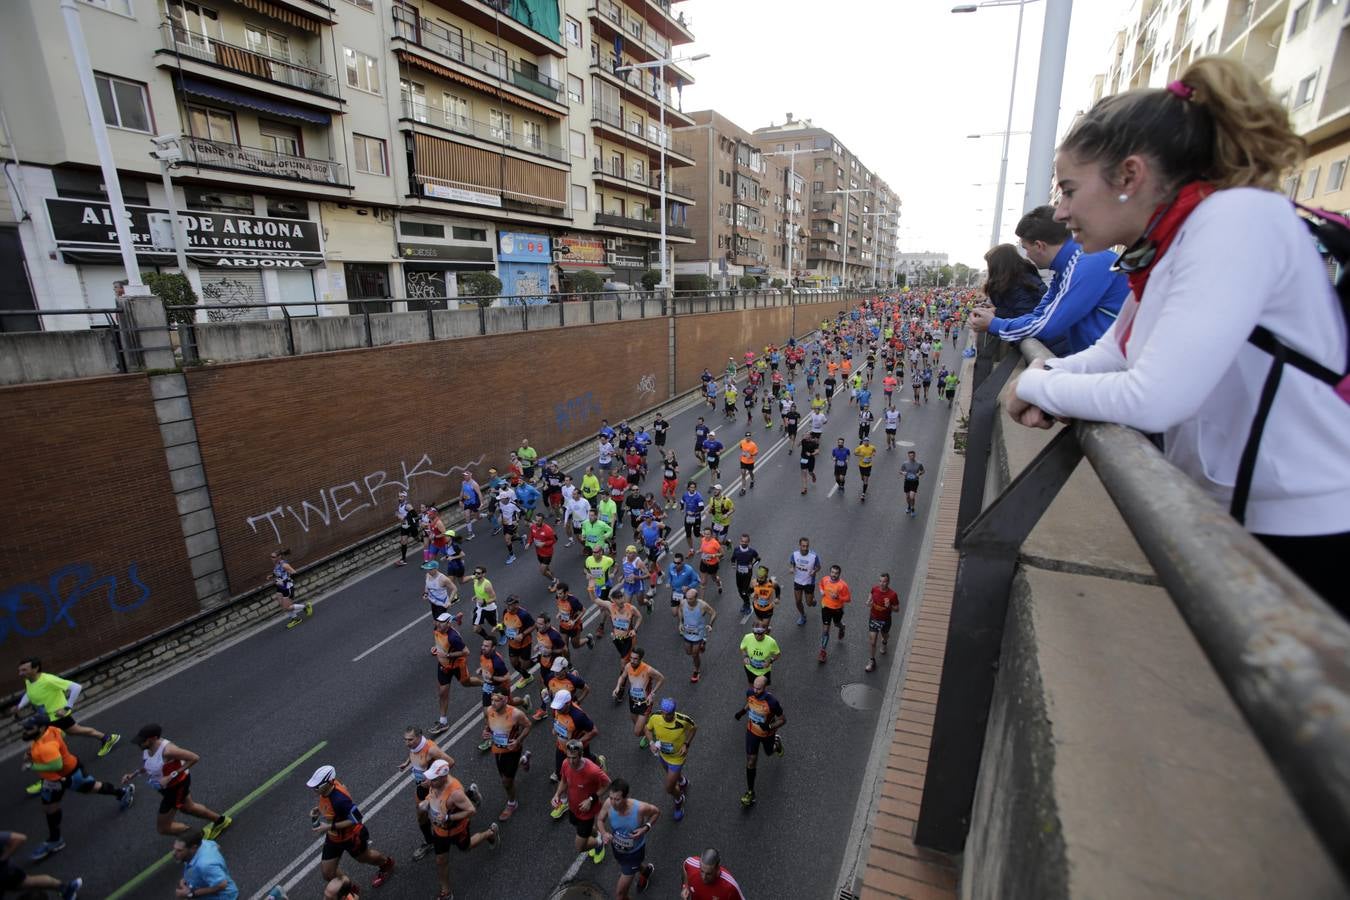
(590, 485)
(864, 453)
(672, 734)
(758, 653)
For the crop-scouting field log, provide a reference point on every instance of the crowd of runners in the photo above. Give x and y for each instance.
(521, 658)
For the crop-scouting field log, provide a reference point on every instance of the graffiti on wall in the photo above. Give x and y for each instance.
(33, 609)
(576, 411)
(646, 386)
(344, 500)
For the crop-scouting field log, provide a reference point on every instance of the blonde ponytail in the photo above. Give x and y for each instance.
(1254, 144)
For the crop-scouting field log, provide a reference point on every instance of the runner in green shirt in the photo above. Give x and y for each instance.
(590, 485)
(594, 532)
(529, 458)
(54, 696)
(758, 653)
(950, 387)
(598, 567)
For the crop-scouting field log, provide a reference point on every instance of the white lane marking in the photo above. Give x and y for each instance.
(417, 621)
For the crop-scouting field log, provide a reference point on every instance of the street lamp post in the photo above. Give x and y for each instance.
(843, 275)
(660, 67)
(792, 178)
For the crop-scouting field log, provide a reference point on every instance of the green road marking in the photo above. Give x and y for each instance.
(257, 792)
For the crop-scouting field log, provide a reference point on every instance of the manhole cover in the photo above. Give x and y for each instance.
(579, 890)
(860, 696)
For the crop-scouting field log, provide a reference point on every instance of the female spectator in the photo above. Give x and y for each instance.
(1014, 285)
(1186, 177)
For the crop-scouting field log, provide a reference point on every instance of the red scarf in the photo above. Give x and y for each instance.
(1168, 219)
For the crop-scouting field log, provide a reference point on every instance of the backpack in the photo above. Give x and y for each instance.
(1332, 232)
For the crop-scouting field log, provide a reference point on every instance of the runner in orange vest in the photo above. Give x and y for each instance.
(749, 450)
(710, 559)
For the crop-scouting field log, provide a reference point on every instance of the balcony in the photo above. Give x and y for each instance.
(639, 89)
(185, 44)
(650, 185)
(495, 17)
(639, 37)
(630, 130)
(209, 154)
(614, 220)
(439, 120)
(677, 26)
(475, 57)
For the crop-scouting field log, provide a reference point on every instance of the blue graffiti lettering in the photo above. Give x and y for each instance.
(32, 610)
(576, 411)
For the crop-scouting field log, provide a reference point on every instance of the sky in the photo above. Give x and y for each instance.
(901, 83)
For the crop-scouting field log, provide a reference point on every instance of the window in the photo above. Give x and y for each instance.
(1299, 20)
(280, 208)
(363, 71)
(499, 123)
(579, 196)
(638, 170)
(1306, 88)
(616, 164)
(83, 184)
(267, 43)
(421, 229)
(1335, 176)
(577, 143)
(469, 234)
(370, 155)
(456, 110)
(125, 103)
(575, 89)
(122, 7)
(218, 201)
(368, 5)
(194, 24)
(414, 98)
(280, 138)
(212, 124)
(817, 187)
(572, 31)
(1310, 182)
(1324, 5)
(531, 135)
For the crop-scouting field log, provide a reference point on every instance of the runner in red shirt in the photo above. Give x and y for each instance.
(584, 784)
(705, 879)
(882, 605)
(543, 538)
(618, 486)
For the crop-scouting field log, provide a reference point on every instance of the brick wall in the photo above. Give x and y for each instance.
(309, 452)
(707, 340)
(91, 555)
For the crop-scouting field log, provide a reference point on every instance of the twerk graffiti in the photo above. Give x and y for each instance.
(32, 610)
(348, 498)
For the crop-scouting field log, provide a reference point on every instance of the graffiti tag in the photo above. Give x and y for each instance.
(576, 411)
(32, 610)
(646, 385)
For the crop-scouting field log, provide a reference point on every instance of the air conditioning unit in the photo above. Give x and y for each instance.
(611, 243)
(559, 256)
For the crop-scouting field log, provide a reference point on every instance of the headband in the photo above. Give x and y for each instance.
(1184, 91)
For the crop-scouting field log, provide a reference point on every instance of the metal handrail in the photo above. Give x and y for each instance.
(439, 117)
(437, 38)
(245, 60)
(261, 161)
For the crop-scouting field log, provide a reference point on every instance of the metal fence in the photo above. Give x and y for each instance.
(1279, 649)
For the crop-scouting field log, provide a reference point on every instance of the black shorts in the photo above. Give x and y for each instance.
(660, 437)
(714, 462)
(451, 675)
(911, 487)
(881, 627)
(792, 429)
(807, 589)
(754, 743)
(286, 590)
(830, 616)
(709, 568)
(890, 431)
(623, 645)
(472, 505)
(584, 827)
(508, 763)
(808, 463)
(840, 471)
(509, 529)
(752, 674)
(865, 471)
(354, 845)
(175, 796)
(442, 843)
(639, 707)
(11, 877)
(65, 723)
(407, 531)
(485, 617)
(544, 560)
(747, 466)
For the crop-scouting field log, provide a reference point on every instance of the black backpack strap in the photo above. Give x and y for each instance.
(1247, 464)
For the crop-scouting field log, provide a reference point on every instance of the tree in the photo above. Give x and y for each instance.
(650, 279)
(961, 274)
(587, 282)
(900, 279)
(945, 276)
(776, 284)
(749, 282)
(700, 282)
(173, 289)
(481, 287)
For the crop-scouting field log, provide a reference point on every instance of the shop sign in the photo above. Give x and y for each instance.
(460, 195)
(445, 253)
(624, 261)
(578, 251)
(87, 227)
(514, 246)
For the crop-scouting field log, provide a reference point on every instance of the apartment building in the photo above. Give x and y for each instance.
(1300, 48)
(369, 150)
(862, 223)
(749, 218)
(912, 265)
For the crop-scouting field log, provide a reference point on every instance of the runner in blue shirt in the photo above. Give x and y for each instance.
(841, 455)
(692, 503)
(528, 496)
(682, 576)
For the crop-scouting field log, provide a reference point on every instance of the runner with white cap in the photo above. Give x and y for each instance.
(422, 752)
(339, 820)
(450, 810)
(406, 516)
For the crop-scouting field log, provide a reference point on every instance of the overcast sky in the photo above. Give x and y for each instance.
(901, 83)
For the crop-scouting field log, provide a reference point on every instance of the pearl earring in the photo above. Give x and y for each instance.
(1123, 197)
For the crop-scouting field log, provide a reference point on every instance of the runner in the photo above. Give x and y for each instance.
(910, 471)
(721, 508)
(529, 459)
(805, 563)
(791, 420)
(883, 604)
(580, 787)
(712, 454)
(729, 394)
(544, 539)
(283, 576)
(710, 558)
(759, 652)
(917, 383)
(518, 627)
(810, 450)
(625, 619)
(548, 642)
(452, 664)
(744, 558)
(696, 622)
(570, 723)
(204, 872)
(749, 450)
(624, 824)
(761, 731)
(484, 604)
(888, 385)
(450, 810)
(406, 516)
(561, 677)
(590, 486)
(599, 572)
(644, 680)
(471, 499)
(554, 479)
(864, 454)
(681, 577)
(866, 419)
(765, 593)
(927, 380)
(635, 574)
(54, 697)
(834, 594)
(59, 769)
(705, 879)
(670, 479)
(14, 878)
(659, 428)
(671, 735)
(701, 432)
(595, 534)
(422, 752)
(570, 616)
(439, 589)
(507, 727)
(949, 387)
(891, 424)
(840, 454)
(166, 767)
(495, 677)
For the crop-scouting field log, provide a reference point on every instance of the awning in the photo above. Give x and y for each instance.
(269, 105)
(281, 14)
(482, 84)
(585, 267)
(114, 258)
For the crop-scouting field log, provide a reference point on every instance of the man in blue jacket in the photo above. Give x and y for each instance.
(1084, 296)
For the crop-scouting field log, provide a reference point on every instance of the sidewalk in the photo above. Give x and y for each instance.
(895, 867)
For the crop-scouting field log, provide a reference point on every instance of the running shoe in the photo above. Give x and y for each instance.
(215, 829)
(309, 609)
(109, 742)
(539, 714)
(508, 811)
(46, 849)
(34, 789)
(510, 559)
(842, 627)
(439, 728)
(883, 648)
(645, 875)
(601, 760)
(385, 873)
(597, 854)
(525, 761)
(678, 814)
(71, 889)
(128, 797)
(523, 680)
(558, 811)
(474, 794)
(423, 851)
(693, 678)
(494, 836)
(291, 623)
(778, 748)
(801, 620)
(871, 666)
(821, 656)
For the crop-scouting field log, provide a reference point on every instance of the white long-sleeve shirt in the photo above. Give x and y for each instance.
(1241, 258)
